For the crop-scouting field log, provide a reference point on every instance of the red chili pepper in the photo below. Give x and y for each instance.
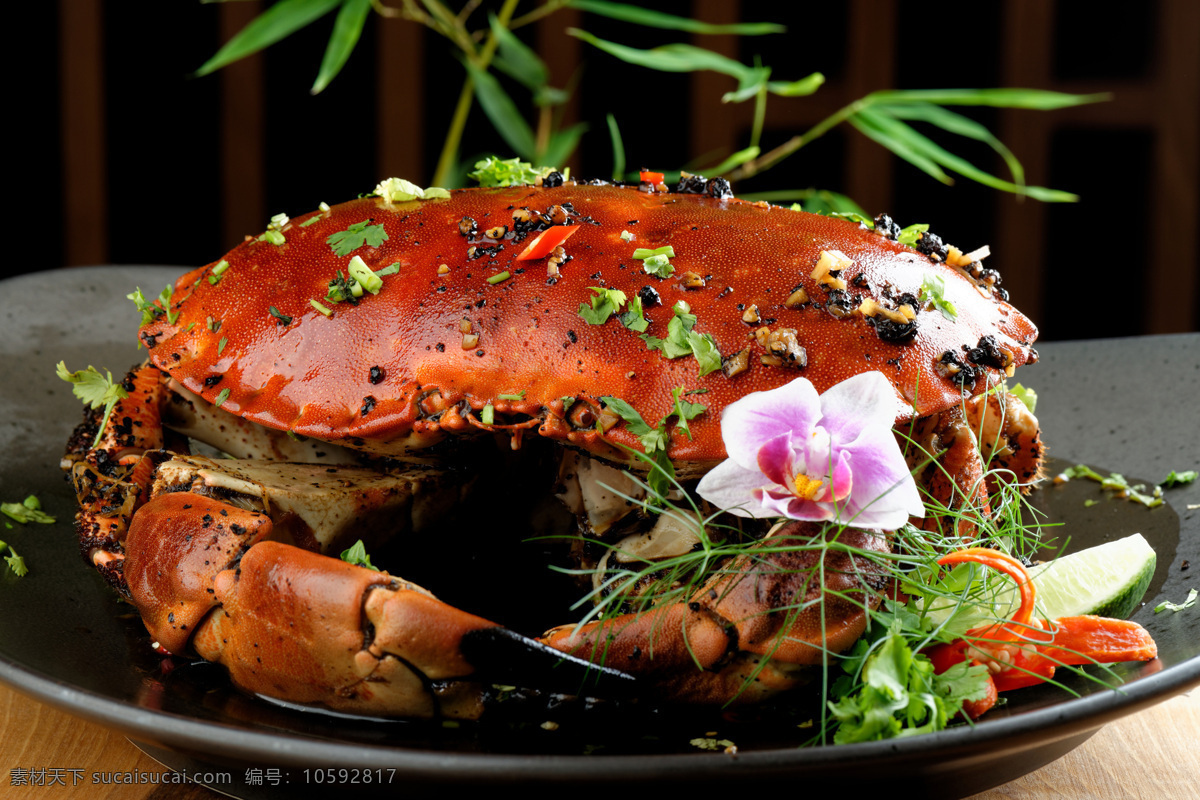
(1023, 651)
(545, 242)
(650, 177)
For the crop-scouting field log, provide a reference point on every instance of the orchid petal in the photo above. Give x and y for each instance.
(775, 459)
(757, 417)
(859, 403)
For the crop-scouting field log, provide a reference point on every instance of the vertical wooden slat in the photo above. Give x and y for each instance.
(563, 54)
(1027, 58)
(400, 101)
(715, 135)
(871, 67)
(85, 203)
(243, 174)
(1173, 254)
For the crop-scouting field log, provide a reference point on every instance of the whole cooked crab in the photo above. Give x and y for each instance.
(347, 357)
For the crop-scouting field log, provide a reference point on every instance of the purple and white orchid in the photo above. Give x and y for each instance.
(830, 457)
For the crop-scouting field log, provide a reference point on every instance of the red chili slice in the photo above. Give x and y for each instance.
(546, 241)
(650, 177)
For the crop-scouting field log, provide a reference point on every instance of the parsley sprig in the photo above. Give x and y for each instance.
(95, 390)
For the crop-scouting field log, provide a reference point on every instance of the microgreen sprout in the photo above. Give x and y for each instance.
(356, 554)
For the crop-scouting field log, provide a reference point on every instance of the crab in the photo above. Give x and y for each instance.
(352, 361)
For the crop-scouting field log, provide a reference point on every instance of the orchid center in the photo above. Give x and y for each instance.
(806, 487)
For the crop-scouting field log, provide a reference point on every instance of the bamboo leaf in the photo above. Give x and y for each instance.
(562, 144)
(277, 22)
(346, 30)
(925, 147)
(870, 125)
(735, 160)
(670, 57)
(657, 19)
(515, 59)
(749, 85)
(1001, 98)
(618, 149)
(955, 123)
(801, 88)
(503, 112)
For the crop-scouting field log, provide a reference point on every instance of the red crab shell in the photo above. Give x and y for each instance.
(313, 374)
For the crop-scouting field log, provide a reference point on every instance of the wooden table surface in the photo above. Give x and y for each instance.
(1154, 754)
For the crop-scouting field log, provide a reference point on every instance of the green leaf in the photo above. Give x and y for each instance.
(1177, 478)
(492, 171)
(735, 160)
(685, 410)
(16, 563)
(958, 124)
(605, 303)
(356, 554)
(515, 59)
(343, 243)
(1167, 605)
(873, 127)
(658, 19)
(633, 317)
(801, 88)
(94, 389)
(633, 420)
(26, 512)
(924, 148)
(1036, 99)
(502, 112)
(618, 149)
(346, 31)
(933, 290)
(749, 85)
(562, 144)
(670, 57)
(277, 22)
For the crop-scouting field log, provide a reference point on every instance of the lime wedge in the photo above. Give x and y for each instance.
(1107, 580)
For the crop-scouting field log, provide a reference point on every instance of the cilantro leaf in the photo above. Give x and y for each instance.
(634, 317)
(681, 340)
(1178, 479)
(343, 243)
(1167, 605)
(912, 233)
(933, 290)
(633, 420)
(493, 171)
(27, 511)
(900, 695)
(95, 390)
(356, 554)
(151, 312)
(15, 562)
(685, 410)
(605, 303)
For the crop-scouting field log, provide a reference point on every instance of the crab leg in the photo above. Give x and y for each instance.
(751, 630)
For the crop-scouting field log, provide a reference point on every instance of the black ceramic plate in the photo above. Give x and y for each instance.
(1129, 405)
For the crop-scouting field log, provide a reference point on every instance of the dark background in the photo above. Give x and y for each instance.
(121, 157)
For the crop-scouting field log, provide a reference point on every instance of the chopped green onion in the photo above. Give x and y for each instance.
(274, 237)
(519, 396)
(222, 396)
(500, 278)
(658, 266)
(311, 220)
(643, 253)
(359, 270)
(221, 345)
(626, 236)
(390, 269)
(320, 308)
(488, 415)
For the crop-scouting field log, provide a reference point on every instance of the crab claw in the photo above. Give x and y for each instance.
(753, 629)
